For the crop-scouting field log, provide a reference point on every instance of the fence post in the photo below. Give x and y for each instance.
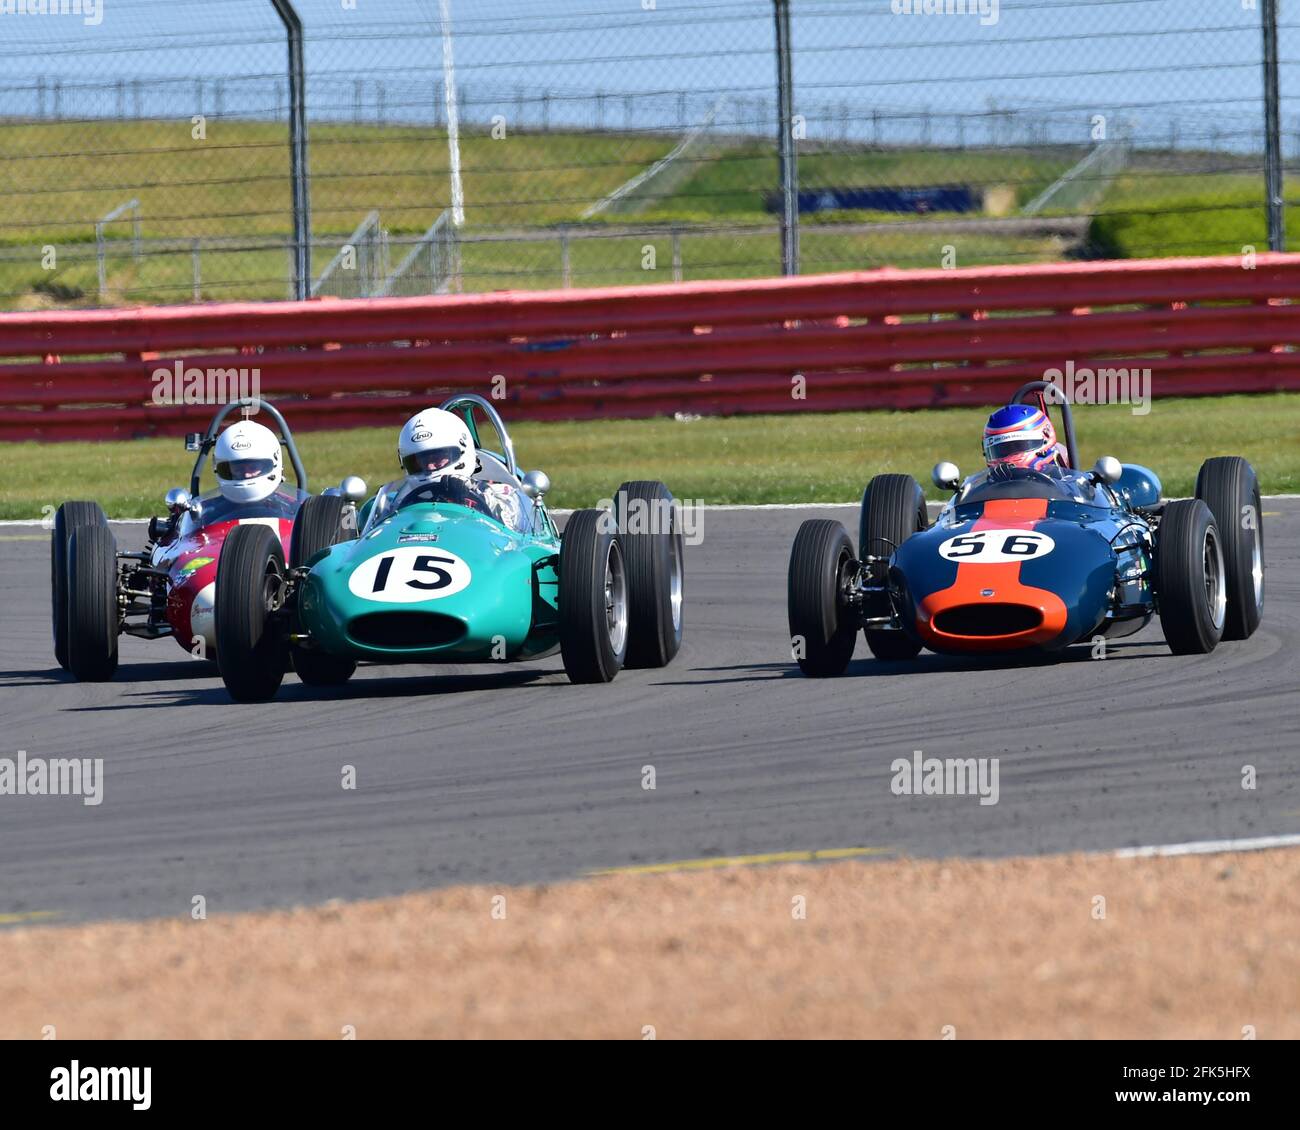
(785, 143)
(298, 150)
(453, 116)
(99, 259)
(196, 270)
(1273, 133)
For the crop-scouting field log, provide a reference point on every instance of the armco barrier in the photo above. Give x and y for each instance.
(877, 339)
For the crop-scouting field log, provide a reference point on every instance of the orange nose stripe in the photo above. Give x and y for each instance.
(1003, 580)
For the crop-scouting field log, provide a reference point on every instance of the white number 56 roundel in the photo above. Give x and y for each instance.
(997, 547)
(408, 574)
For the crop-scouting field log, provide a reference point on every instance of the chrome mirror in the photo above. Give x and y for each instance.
(946, 476)
(1107, 469)
(535, 484)
(177, 499)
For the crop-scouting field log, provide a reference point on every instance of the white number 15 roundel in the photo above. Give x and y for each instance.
(997, 547)
(408, 574)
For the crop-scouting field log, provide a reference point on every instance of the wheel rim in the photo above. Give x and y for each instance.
(1215, 592)
(272, 588)
(1257, 558)
(615, 598)
(675, 579)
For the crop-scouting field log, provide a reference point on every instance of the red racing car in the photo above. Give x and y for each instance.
(167, 589)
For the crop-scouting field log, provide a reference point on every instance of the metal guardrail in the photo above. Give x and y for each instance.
(876, 339)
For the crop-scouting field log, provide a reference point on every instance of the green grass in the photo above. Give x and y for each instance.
(62, 176)
(1149, 215)
(744, 459)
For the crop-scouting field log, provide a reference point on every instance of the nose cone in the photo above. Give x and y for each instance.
(960, 591)
(201, 623)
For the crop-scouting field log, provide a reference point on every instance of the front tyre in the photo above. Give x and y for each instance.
(893, 509)
(650, 531)
(252, 646)
(1190, 578)
(70, 516)
(92, 612)
(322, 521)
(593, 598)
(822, 630)
(1228, 486)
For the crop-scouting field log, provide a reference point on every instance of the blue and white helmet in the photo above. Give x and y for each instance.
(1020, 435)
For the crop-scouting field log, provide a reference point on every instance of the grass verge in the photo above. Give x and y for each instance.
(812, 457)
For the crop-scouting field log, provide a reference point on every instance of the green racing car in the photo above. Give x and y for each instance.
(429, 572)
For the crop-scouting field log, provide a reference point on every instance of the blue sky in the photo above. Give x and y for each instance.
(1192, 62)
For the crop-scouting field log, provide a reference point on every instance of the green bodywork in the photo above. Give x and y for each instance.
(506, 609)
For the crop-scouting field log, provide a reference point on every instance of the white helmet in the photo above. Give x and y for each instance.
(435, 444)
(247, 462)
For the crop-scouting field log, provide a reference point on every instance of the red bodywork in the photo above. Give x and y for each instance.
(187, 581)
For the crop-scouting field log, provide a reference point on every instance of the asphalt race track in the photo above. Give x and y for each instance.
(510, 775)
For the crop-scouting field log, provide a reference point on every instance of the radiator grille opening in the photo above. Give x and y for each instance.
(987, 619)
(405, 629)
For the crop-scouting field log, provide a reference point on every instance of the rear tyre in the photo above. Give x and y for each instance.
(1228, 486)
(1190, 578)
(323, 520)
(893, 509)
(821, 632)
(70, 516)
(654, 558)
(593, 598)
(252, 646)
(92, 613)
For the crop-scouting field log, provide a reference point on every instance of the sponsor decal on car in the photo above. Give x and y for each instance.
(195, 563)
(403, 538)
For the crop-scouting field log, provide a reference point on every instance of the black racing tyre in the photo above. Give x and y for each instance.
(322, 521)
(649, 526)
(593, 598)
(69, 516)
(893, 509)
(1228, 486)
(92, 610)
(821, 633)
(1190, 578)
(252, 644)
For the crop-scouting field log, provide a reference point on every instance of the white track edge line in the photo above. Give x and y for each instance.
(723, 506)
(1208, 847)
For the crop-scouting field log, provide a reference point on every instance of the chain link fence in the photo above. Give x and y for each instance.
(617, 141)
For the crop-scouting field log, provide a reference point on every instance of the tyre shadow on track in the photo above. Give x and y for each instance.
(925, 663)
(422, 686)
(153, 672)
